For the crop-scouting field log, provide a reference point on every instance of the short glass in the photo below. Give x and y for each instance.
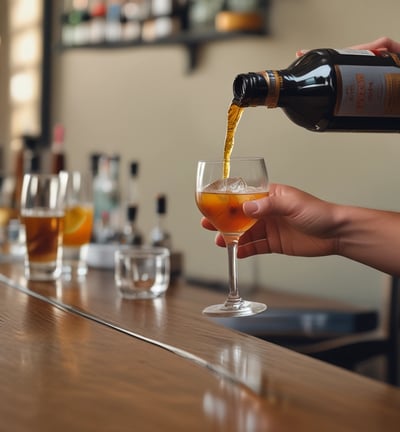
(78, 225)
(142, 272)
(42, 213)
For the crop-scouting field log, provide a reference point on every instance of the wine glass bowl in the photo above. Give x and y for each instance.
(220, 199)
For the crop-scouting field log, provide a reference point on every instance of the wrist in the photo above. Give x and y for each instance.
(341, 227)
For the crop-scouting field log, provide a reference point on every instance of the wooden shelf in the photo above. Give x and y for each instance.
(192, 41)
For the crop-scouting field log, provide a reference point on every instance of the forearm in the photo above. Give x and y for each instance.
(371, 237)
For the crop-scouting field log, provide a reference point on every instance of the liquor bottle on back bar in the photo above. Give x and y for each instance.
(330, 90)
(159, 235)
(130, 232)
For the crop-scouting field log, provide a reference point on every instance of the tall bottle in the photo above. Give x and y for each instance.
(130, 233)
(330, 90)
(106, 198)
(132, 196)
(159, 234)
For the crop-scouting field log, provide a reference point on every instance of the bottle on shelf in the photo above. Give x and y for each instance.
(79, 22)
(130, 233)
(94, 164)
(106, 198)
(159, 235)
(97, 30)
(67, 28)
(330, 90)
(58, 159)
(132, 197)
(113, 29)
(131, 14)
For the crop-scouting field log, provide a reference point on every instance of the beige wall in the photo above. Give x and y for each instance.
(141, 104)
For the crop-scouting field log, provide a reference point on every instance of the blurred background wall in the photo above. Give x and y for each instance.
(141, 104)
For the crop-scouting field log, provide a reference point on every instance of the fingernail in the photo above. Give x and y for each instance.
(301, 52)
(251, 207)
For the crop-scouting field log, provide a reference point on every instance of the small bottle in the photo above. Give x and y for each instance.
(97, 31)
(131, 234)
(159, 235)
(58, 162)
(80, 20)
(67, 27)
(105, 199)
(132, 198)
(113, 29)
(130, 19)
(330, 90)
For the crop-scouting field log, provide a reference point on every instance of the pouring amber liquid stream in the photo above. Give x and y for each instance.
(234, 114)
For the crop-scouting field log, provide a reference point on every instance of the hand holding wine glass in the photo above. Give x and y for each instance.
(220, 198)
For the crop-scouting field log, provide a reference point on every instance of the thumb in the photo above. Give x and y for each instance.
(257, 208)
(281, 201)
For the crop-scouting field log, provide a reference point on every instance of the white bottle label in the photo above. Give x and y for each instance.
(367, 91)
(349, 51)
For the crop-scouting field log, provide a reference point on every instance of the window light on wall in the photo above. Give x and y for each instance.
(25, 60)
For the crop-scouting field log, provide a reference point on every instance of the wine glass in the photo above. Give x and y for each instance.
(221, 189)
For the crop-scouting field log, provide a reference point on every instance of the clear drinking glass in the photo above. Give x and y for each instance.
(78, 224)
(142, 272)
(42, 213)
(220, 200)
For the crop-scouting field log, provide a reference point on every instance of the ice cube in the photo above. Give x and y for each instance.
(231, 184)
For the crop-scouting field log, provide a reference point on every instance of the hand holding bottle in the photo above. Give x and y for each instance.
(331, 89)
(292, 222)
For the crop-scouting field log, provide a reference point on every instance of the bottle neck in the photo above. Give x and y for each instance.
(274, 83)
(257, 89)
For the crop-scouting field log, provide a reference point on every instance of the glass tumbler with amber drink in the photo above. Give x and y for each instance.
(42, 213)
(78, 224)
(221, 189)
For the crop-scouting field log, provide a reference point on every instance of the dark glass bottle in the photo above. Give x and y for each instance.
(159, 235)
(131, 234)
(330, 90)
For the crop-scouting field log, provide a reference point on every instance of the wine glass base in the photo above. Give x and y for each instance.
(244, 308)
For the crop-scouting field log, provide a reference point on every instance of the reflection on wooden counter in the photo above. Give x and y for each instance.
(93, 361)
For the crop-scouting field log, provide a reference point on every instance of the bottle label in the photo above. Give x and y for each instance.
(367, 91)
(349, 51)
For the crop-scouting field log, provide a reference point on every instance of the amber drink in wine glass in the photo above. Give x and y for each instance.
(221, 191)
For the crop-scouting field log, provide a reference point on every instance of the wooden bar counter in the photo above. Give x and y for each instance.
(74, 356)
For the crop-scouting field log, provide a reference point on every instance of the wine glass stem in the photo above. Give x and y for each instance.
(233, 297)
